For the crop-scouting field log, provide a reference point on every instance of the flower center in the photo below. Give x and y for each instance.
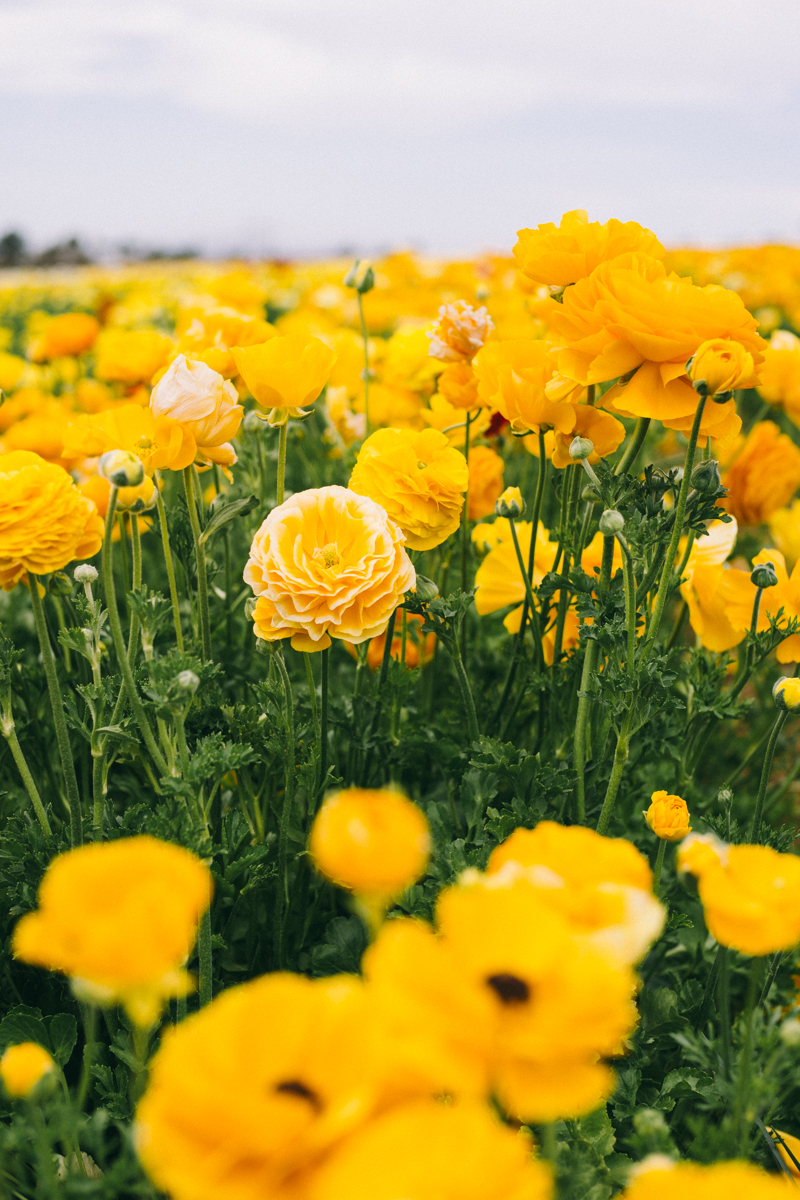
(293, 1087)
(421, 466)
(510, 988)
(328, 555)
(144, 442)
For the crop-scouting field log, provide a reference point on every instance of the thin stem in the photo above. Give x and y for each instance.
(724, 1002)
(620, 758)
(282, 439)
(745, 660)
(711, 990)
(57, 706)
(465, 524)
(136, 583)
(90, 1033)
(365, 341)
(323, 721)
(630, 605)
(376, 714)
(662, 847)
(9, 732)
(466, 693)
(286, 812)
(745, 1059)
(98, 793)
(204, 982)
(680, 511)
(579, 743)
(677, 627)
(200, 556)
(312, 693)
(173, 590)
(766, 771)
(634, 445)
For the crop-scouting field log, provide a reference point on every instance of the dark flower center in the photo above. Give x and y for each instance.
(510, 988)
(293, 1087)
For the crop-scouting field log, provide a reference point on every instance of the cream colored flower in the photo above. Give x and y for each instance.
(191, 393)
(327, 563)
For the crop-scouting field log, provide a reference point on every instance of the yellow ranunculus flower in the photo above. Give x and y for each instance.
(762, 476)
(668, 817)
(250, 1093)
(604, 431)
(161, 443)
(485, 481)
(751, 900)
(722, 365)
(120, 918)
(459, 386)
(208, 335)
(603, 886)
(238, 291)
(285, 373)
(327, 563)
(459, 333)
(780, 372)
(11, 370)
(370, 840)
(419, 478)
(45, 522)
(430, 1150)
(784, 528)
(23, 1066)
(130, 355)
(202, 402)
(512, 377)
(657, 1179)
(558, 255)
(700, 850)
(786, 694)
(510, 504)
(720, 597)
(68, 334)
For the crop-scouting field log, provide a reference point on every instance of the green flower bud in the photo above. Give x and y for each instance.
(121, 468)
(510, 503)
(60, 584)
(764, 575)
(85, 573)
(425, 590)
(361, 277)
(611, 522)
(187, 683)
(705, 477)
(581, 447)
(786, 694)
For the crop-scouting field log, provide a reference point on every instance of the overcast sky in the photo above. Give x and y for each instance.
(292, 126)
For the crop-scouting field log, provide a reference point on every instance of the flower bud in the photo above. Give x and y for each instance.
(121, 468)
(23, 1066)
(611, 522)
(668, 817)
(187, 682)
(705, 477)
(786, 694)
(426, 590)
(510, 503)
(85, 573)
(361, 277)
(581, 447)
(719, 366)
(60, 584)
(764, 575)
(137, 499)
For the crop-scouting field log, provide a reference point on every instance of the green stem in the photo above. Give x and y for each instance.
(465, 525)
(57, 706)
(173, 589)
(136, 583)
(119, 645)
(680, 511)
(90, 1033)
(282, 439)
(9, 732)
(746, 659)
(620, 758)
(204, 988)
(745, 1059)
(677, 627)
(724, 1001)
(634, 445)
(312, 694)
(466, 693)
(630, 605)
(662, 847)
(766, 771)
(323, 721)
(581, 720)
(286, 812)
(710, 992)
(384, 672)
(200, 556)
(98, 793)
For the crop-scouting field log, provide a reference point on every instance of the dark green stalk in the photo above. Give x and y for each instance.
(662, 847)
(286, 813)
(282, 439)
(711, 990)
(466, 692)
(724, 1001)
(465, 526)
(634, 445)
(200, 557)
(744, 1074)
(365, 341)
(584, 697)
(204, 982)
(746, 660)
(323, 720)
(620, 758)
(630, 605)
(8, 730)
(766, 771)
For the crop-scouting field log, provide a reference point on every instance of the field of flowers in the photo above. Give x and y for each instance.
(400, 750)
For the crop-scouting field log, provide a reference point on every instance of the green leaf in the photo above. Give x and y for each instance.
(221, 517)
(23, 1024)
(63, 1036)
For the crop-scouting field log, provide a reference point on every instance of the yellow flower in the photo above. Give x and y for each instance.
(780, 372)
(370, 840)
(459, 386)
(161, 443)
(700, 850)
(459, 333)
(285, 373)
(603, 886)
(498, 580)
(786, 694)
(433, 1151)
(786, 1146)
(130, 355)
(238, 291)
(119, 918)
(721, 365)
(419, 478)
(720, 597)
(327, 563)
(510, 504)
(208, 335)
(416, 644)
(668, 817)
(604, 431)
(784, 528)
(68, 334)
(660, 1180)
(762, 476)
(204, 404)
(11, 370)
(45, 522)
(23, 1066)
(450, 421)
(558, 255)
(512, 377)
(485, 481)
(751, 900)
(251, 1091)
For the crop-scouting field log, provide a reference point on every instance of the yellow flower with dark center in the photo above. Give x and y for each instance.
(130, 356)
(668, 817)
(721, 365)
(45, 522)
(512, 377)
(433, 1151)
(370, 840)
(659, 1179)
(23, 1066)
(327, 563)
(418, 478)
(558, 255)
(160, 442)
(751, 898)
(119, 918)
(248, 1094)
(762, 475)
(285, 373)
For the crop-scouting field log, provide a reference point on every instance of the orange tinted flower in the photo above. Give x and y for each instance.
(68, 334)
(512, 377)
(459, 386)
(604, 431)
(161, 443)
(415, 641)
(762, 476)
(460, 332)
(485, 481)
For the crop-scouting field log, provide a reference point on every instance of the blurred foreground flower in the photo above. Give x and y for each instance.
(23, 1066)
(659, 1179)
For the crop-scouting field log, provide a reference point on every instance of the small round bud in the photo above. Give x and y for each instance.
(60, 584)
(611, 522)
(250, 608)
(121, 468)
(187, 682)
(705, 477)
(764, 575)
(138, 499)
(425, 590)
(510, 503)
(581, 447)
(361, 277)
(724, 795)
(85, 573)
(786, 694)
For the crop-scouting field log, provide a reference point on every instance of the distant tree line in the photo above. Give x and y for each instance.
(71, 253)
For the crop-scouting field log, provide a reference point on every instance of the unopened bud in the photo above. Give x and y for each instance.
(611, 522)
(764, 575)
(361, 277)
(187, 682)
(425, 590)
(510, 503)
(705, 477)
(137, 499)
(85, 573)
(724, 795)
(786, 694)
(581, 447)
(60, 584)
(250, 608)
(121, 468)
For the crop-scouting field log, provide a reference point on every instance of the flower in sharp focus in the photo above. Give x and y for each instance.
(658, 1180)
(23, 1066)
(418, 478)
(721, 365)
(327, 563)
(285, 374)
(786, 694)
(512, 376)
(45, 522)
(762, 475)
(130, 356)
(668, 817)
(459, 333)
(603, 430)
(485, 481)
(120, 918)
(558, 255)
(203, 403)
